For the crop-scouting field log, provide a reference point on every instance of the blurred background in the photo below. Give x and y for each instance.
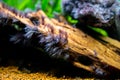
(51, 8)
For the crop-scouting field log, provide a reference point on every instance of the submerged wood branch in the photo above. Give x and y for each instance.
(61, 40)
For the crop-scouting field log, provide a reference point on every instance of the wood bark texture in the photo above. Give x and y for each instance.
(83, 50)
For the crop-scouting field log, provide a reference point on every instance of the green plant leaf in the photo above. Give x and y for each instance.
(24, 3)
(21, 4)
(72, 21)
(99, 30)
(57, 6)
(44, 4)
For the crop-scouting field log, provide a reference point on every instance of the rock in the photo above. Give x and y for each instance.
(102, 12)
(97, 13)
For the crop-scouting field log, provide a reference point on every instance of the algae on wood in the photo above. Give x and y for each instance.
(84, 51)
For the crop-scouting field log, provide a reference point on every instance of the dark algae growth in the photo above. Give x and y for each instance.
(36, 44)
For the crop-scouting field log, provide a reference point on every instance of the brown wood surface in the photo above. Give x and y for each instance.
(79, 44)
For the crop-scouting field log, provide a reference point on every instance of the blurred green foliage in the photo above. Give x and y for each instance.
(50, 7)
(21, 4)
(99, 30)
(71, 20)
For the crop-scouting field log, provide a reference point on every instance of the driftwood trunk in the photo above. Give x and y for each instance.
(83, 51)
